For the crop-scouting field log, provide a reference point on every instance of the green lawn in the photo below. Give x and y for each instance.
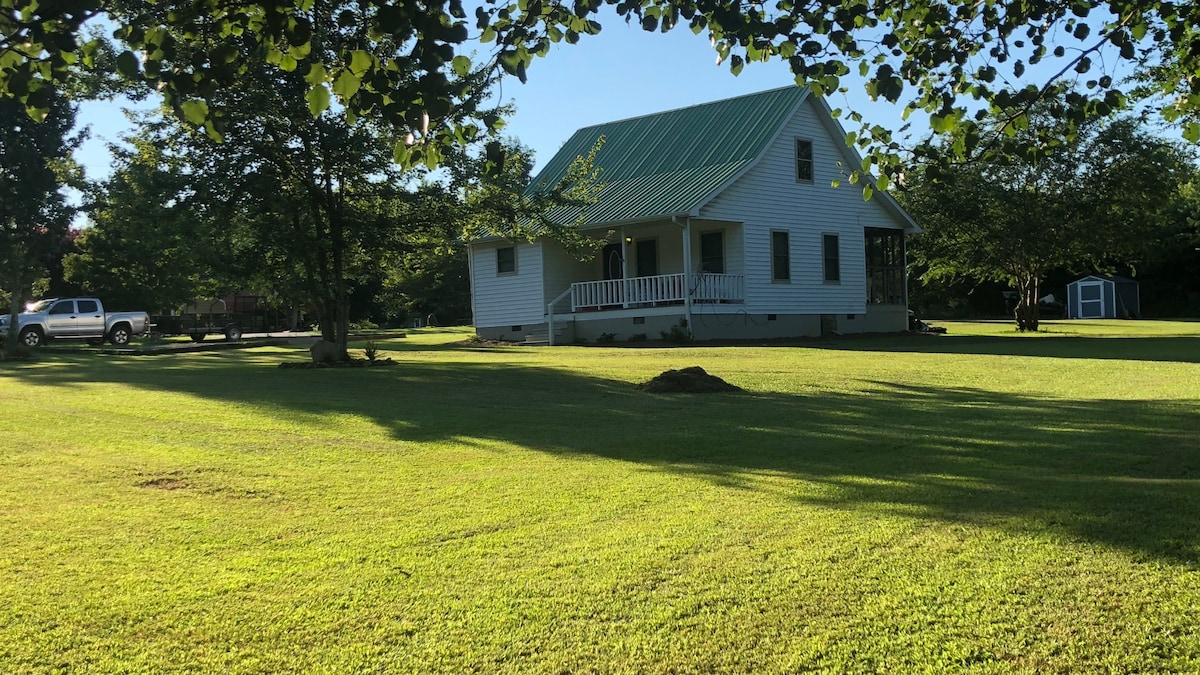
(983, 501)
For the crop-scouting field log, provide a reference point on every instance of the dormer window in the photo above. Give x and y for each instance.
(804, 161)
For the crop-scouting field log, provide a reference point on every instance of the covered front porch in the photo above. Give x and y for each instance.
(646, 265)
(656, 291)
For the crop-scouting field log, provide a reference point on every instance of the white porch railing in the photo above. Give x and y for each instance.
(718, 287)
(660, 289)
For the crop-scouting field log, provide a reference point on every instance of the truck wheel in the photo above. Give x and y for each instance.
(120, 335)
(197, 337)
(31, 337)
(95, 342)
(233, 333)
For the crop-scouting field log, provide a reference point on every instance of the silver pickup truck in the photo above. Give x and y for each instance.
(75, 319)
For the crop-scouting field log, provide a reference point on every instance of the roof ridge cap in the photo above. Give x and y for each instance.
(687, 107)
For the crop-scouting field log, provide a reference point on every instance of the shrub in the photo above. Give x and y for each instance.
(606, 338)
(371, 351)
(637, 337)
(679, 333)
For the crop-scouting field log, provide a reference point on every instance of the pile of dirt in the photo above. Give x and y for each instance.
(692, 380)
(352, 363)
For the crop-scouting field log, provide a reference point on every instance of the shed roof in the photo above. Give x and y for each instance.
(1105, 277)
(672, 162)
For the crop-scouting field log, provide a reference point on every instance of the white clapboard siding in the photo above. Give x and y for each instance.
(561, 269)
(768, 197)
(507, 299)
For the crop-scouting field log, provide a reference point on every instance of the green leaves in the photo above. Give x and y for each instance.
(1058, 195)
(34, 215)
(318, 99)
(346, 85)
(393, 58)
(360, 61)
(127, 65)
(195, 112)
(316, 74)
(224, 53)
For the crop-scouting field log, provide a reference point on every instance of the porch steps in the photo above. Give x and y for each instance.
(542, 338)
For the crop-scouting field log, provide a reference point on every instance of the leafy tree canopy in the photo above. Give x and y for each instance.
(956, 61)
(35, 161)
(149, 247)
(1101, 200)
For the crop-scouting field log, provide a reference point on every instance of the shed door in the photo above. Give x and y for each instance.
(1091, 300)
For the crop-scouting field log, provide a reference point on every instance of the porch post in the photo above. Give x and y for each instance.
(624, 270)
(687, 271)
(624, 255)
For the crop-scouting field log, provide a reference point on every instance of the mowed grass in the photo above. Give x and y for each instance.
(981, 502)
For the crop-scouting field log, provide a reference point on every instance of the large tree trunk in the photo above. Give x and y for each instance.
(342, 297)
(331, 301)
(1027, 305)
(337, 248)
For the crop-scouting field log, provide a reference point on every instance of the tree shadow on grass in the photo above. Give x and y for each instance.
(1115, 472)
(1182, 349)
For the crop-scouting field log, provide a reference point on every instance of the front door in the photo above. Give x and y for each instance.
(614, 264)
(1091, 300)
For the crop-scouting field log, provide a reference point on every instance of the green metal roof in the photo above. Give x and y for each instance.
(671, 162)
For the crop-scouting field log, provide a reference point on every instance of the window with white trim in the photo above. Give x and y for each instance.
(712, 252)
(646, 254)
(781, 258)
(506, 260)
(832, 256)
(804, 161)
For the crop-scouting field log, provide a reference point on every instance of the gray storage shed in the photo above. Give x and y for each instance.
(1100, 297)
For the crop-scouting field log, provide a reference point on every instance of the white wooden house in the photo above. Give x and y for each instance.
(720, 217)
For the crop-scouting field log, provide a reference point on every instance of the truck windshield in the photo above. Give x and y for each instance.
(39, 306)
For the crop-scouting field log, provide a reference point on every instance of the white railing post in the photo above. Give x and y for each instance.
(550, 312)
(636, 291)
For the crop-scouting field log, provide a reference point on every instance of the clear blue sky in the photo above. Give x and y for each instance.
(623, 72)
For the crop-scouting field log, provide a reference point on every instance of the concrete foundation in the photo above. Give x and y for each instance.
(878, 319)
(744, 326)
(624, 324)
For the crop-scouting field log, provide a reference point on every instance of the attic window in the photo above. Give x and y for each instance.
(804, 161)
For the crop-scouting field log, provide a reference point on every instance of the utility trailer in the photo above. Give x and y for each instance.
(230, 317)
